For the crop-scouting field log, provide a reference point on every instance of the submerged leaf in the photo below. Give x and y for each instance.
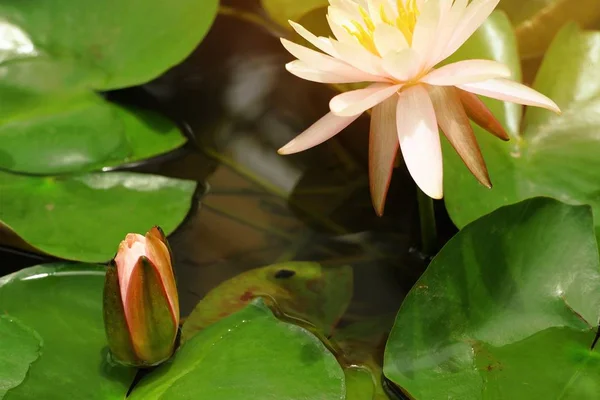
(319, 294)
(361, 344)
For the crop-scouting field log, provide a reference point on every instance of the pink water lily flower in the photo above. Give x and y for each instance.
(141, 303)
(396, 46)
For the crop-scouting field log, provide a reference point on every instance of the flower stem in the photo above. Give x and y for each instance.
(427, 220)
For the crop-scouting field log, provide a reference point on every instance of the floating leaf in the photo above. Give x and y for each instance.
(85, 217)
(537, 22)
(82, 133)
(310, 291)
(57, 54)
(554, 156)
(506, 310)
(63, 304)
(104, 45)
(19, 348)
(249, 353)
(283, 10)
(263, 208)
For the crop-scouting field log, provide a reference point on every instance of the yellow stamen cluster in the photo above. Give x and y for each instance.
(407, 18)
(364, 36)
(408, 13)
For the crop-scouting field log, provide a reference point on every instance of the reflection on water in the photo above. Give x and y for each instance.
(240, 106)
(261, 208)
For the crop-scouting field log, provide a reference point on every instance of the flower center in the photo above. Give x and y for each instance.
(408, 13)
(405, 21)
(363, 32)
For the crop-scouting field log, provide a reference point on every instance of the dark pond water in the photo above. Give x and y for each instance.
(238, 105)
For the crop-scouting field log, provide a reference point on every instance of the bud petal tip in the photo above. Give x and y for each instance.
(141, 305)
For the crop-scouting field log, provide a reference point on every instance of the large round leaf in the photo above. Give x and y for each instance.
(307, 290)
(283, 10)
(104, 45)
(83, 133)
(553, 155)
(537, 21)
(85, 217)
(20, 346)
(507, 310)
(63, 304)
(250, 354)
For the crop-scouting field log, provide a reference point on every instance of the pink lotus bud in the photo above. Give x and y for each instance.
(141, 305)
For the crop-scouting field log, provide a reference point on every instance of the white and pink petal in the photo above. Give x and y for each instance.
(514, 92)
(426, 29)
(340, 33)
(473, 17)
(403, 65)
(307, 72)
(383, 148)
(359, 57)
(321, 43)
(356, 102)
(318, 60)
(467, 71)
(324, 129)
(388, 39)
(420, 140)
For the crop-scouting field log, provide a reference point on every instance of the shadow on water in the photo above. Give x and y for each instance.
(237, 105)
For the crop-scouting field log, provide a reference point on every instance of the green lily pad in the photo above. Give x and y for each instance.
(85, 217)
(555, 156)
(63, 304)
(82, 134)
(104, 45)
(249, 354)
(537, 22)
(507, 310)
(57, 53)
(19, 348)
(307, 290)
(283, 10)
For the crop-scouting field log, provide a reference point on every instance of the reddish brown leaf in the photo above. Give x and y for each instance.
(455, 124)
(481, 115)
(383, 147)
